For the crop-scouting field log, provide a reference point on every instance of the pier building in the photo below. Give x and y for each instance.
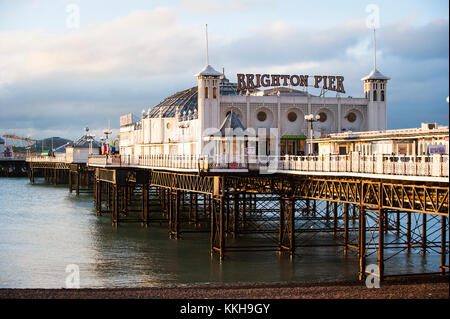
(428, 139)
(69, 167)
(183, 122)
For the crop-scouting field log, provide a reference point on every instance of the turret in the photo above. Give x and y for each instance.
(208, 99)
(375, 92)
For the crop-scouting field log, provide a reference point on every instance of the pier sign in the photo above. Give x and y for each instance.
(437, 149)
(254, 81)
(126, 119)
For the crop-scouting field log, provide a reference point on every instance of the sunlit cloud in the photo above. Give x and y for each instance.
(58, 83)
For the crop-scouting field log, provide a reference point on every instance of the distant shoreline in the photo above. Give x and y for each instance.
(408, 287)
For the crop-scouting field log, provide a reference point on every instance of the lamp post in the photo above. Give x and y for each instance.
(311, 118)
(89, 139)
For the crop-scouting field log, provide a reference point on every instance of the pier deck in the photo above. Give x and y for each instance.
(13, 166)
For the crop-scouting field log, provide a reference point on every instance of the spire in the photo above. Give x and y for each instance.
(375, 74)
(207, 55)
(374, 49)
(208, 70)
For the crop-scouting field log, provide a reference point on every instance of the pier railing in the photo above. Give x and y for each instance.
(431, 166)
(12, 156)
(434, 165)
(59, 158)
(198, 162)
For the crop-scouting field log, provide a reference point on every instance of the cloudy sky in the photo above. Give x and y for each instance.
(68, 64)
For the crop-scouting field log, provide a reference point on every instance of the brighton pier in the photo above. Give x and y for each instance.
(254, 81)
(373, 193)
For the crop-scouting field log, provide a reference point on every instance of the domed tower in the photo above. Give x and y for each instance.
(208, 99)
(375, 93)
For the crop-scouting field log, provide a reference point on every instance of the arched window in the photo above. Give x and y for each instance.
(351, 117)
(374, 95)
(382, 95)
(261, 116)
(214, 93)
(292, 116)
(206, 93)
(323, 117)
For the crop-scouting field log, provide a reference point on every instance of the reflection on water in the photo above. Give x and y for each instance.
(44, 228)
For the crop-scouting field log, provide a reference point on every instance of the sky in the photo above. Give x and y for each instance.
(65, 65)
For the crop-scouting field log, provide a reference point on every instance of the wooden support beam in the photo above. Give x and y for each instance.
(236, 215)
(424, 234)
(98, 200)
(281, 225)
(346, 210)
(381, 231)
(408, 232)
(78, 177)
(443, 244)
(292, 225)
(362, 243)
(335, 218)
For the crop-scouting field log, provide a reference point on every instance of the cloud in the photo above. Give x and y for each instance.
(65, 81)
(429, 41)
(61, 82)
(279, 41)
(142, 43)
(214, 6)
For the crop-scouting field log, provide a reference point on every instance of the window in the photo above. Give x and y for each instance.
(351, 117)
(323, 117)
(214, 93)
(292, 116)
(374, 95)
(382, 95)
(168, 126)
(261, 116)
(206, 93)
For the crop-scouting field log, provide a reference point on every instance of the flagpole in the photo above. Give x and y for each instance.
(207, 55)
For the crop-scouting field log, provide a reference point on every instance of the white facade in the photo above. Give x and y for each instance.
(428, 139)
(172, 132)
(78, 154)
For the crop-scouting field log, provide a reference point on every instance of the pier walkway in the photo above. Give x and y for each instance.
(415, 168)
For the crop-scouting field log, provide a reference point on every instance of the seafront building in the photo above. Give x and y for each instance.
(184, 122)
(429, 139)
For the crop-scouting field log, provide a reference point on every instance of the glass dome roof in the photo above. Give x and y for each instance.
(187, 100)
